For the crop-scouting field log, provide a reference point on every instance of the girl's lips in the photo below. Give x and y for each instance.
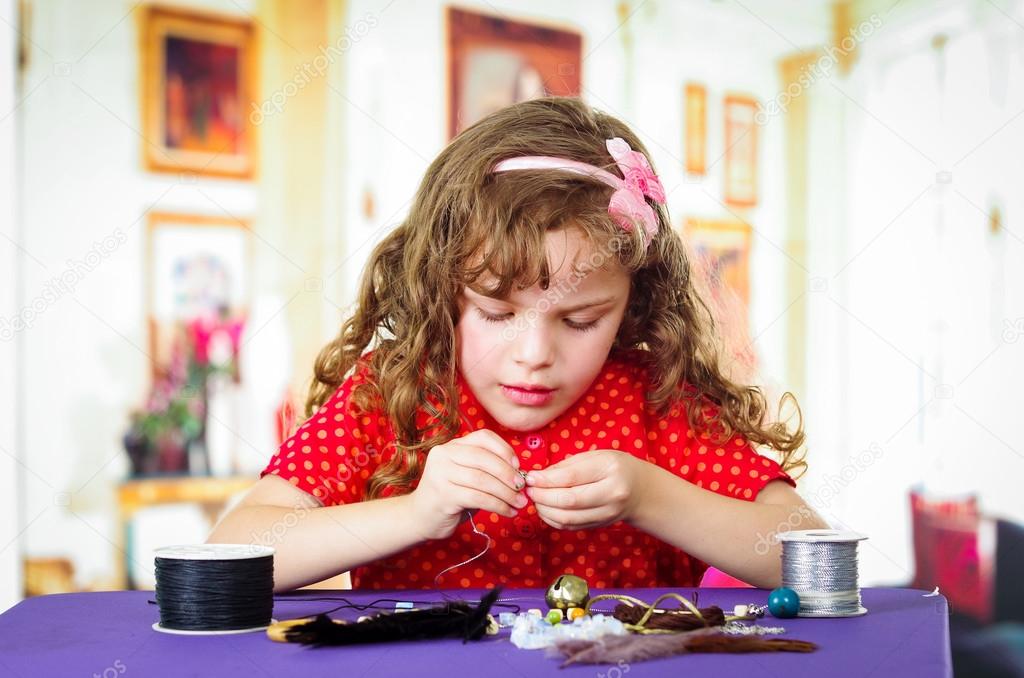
(523, 397)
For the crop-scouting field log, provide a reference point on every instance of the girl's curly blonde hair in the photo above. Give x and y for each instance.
(466, 222)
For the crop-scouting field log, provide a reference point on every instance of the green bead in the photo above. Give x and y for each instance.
(784, 603)
(555, 616)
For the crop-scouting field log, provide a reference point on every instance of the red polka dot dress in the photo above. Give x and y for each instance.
(332, 455)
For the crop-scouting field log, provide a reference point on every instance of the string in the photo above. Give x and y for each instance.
(487, 547)
(214, 595)
(649, 609)
(377, 604)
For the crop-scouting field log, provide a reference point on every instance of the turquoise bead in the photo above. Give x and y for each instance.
(783, 603)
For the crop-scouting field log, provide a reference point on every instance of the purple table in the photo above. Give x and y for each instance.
(110, 634)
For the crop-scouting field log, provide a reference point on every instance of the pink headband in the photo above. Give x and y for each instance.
(627, 205)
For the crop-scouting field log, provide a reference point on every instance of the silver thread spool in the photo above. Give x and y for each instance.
(821, 566)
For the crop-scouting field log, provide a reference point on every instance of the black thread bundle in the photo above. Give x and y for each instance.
(457, 619)
(214, 589)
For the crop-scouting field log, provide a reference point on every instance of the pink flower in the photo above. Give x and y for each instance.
(636, 170)
(627, 204)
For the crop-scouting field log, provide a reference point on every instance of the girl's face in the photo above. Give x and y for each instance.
(529, 357)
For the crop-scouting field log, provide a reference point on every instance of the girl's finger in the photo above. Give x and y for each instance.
(562, 519)
(580, 497)
(580, 471)
(493, 443)
(476, 457)
(469, 498)
(474, 478)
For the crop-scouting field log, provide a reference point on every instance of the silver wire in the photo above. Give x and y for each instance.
(824, 574)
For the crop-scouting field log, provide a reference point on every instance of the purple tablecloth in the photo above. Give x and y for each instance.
(110, 635)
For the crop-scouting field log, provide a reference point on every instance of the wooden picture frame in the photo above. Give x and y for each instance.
(695, 103)
(740, 185)
(494, 62)
(194, 263)
(198, 93)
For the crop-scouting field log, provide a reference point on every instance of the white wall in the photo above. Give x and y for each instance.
(10, 476)
(84, 361)
(920, 295)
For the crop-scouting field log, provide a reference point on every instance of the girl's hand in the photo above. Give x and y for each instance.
(476, 471)
(588, 489)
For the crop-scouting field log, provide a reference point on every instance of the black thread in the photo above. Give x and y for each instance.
(215, 595)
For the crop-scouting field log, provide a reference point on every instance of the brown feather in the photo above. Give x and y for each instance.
(636, 647)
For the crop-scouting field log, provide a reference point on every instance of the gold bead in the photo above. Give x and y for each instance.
(567, 591)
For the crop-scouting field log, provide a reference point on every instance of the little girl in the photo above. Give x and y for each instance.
(543, 378)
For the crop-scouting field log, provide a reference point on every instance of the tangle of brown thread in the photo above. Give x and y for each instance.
(669, 621)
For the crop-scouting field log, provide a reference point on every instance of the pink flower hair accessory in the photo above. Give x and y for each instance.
(628, 205)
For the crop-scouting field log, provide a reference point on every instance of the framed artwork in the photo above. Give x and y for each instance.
(199, 87)
(196, 267)
(494, 62)
(740, 151)
(722, 248)
(695, 141)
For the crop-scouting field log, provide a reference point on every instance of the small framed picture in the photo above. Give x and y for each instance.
(197, 267)
(494, 62)
(695, 140)
(723, 247)
(740, 151)
(722, 251)
(199, 87)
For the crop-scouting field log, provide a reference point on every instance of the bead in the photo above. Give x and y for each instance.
(535, 612)
(575, 613)
(783, 603)
(506, 618)
(554, 616)
(739, 611)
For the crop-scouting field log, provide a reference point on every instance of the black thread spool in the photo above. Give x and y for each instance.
(209, 589)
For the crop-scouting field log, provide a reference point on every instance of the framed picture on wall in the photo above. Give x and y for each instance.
(740, 151)
(695, 140)
(197, 267)
(494, 62)
(722, 248)
(198, 93)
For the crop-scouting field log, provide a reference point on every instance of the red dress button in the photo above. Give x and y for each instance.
(524, 528)
(534, 442)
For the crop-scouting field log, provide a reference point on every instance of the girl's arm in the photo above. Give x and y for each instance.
(314, 542)
(737, 536)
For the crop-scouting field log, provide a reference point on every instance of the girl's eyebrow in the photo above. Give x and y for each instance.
(588, 304)
(570, 309)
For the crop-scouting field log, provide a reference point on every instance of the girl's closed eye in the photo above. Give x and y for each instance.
(494, 317)
(580, 326)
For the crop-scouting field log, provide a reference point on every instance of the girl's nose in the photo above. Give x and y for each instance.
(534, 346)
